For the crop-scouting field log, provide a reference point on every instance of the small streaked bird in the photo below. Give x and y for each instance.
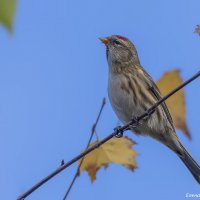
(132, 91)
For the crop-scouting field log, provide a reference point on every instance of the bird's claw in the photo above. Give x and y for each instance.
(149, 113)
(135, 123)
(118, 132)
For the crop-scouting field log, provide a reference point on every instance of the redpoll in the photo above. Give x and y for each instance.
(132, 91)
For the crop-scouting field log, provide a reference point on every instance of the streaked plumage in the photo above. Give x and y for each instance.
(132, 91)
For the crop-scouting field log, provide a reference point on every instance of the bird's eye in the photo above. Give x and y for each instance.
(116, 42)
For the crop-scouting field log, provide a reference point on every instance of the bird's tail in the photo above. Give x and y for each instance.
(191, 164)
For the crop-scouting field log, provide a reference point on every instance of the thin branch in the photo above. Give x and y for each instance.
(93, 131)
(119, 131)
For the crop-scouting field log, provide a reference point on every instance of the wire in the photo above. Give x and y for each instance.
(117, 132)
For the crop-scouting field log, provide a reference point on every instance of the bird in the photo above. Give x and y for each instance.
(131, 91)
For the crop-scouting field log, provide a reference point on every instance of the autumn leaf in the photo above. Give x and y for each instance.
(116, 150)
(197, 29)
(7, 10)
(176, 103)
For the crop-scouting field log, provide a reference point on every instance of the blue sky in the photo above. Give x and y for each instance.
(53, 77)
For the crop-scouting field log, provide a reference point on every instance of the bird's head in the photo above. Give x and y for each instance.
(120, 50)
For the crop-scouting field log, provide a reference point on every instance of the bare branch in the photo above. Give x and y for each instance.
(118, 132)
(93, 131)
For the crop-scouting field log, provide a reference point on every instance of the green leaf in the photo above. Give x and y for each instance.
(7, 11)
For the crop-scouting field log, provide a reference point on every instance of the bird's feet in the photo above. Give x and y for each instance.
(135, 123)
(118, 132)
(149, 112)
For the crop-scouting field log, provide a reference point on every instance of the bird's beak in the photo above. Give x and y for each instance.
(104, 40)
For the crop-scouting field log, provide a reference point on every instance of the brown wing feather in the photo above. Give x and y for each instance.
(156, 93)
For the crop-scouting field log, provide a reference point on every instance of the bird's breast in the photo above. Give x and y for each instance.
(122, 98)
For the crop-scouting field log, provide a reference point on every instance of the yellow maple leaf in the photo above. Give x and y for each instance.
(175, 103)
(116, 150)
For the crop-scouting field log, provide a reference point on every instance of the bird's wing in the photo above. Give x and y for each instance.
(156, 93)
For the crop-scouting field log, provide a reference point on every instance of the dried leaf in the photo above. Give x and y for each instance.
(7, 10)
(116, 150)
(175, 103)
(197, 29)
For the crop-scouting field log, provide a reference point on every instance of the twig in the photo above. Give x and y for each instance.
(117, 131)
(93, 131)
